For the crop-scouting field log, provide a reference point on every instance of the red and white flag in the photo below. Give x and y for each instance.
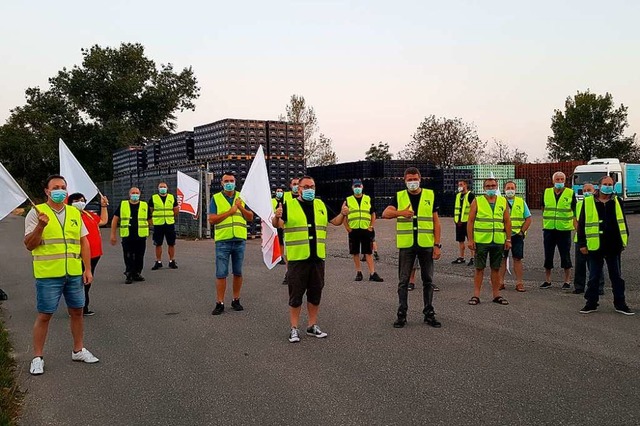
(256, 193)
(77, 178)
(188, 194)
(13, 195)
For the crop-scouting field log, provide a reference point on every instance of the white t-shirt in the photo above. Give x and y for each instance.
(31, 221)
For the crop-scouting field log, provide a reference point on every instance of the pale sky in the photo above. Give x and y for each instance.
(372, 69)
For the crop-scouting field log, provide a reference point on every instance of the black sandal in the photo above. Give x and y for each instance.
(474, 301)
(500, 300)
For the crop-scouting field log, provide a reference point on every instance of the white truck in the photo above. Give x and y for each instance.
(626, 178)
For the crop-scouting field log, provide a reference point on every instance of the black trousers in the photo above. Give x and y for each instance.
(133, 249)
(596, 262)
(87, 287)
(406, 258)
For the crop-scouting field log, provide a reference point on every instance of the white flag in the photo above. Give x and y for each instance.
(13, 194)
(256, 193)
(77, 178)
(188, 194)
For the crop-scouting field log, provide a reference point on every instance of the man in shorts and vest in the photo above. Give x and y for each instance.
(164, 211)
(57, 238)
(464, 198)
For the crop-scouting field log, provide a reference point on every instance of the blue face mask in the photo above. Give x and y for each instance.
(357, 191)
(229, 186)
(558, 185)
(588, 194)
(492, 192)
(58, 195)
(606, 189)
(134, 197)
(308, 194)
(162, 191)
(279, 195)
(294, 189)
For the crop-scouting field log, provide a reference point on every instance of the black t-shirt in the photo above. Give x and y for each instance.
(309, 212)
(372, 210)
(461, 197)
(415, 203)
(133, 223)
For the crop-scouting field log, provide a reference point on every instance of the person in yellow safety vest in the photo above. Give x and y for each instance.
(133, 219)
(57, 238)
(417, 236)
(558, 220)
(603, 235)
(293, 185)
(582, 260)
(464, 198)
(164, 212)
(278, 199)
(520, 222)
(304, 220)
(229, 216)
(488, 227)
(359, 226)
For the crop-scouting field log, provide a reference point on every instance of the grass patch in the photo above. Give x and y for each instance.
(9, 393)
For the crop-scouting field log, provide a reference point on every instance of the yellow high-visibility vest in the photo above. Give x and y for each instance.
(163, 212)
(234, 226)
(125, 219)
(424, 217)
(359, 214)
(59, 253)
(592, 223)
(517, 215)
(488, 226)
(466, 207)
(558, 215)
(297, 240)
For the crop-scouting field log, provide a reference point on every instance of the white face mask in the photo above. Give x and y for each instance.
(510, 193)
(80, 205)
(412, 186)
(460, 189)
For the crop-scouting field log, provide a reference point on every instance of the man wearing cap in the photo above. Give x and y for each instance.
(164, 211)
(362, 217)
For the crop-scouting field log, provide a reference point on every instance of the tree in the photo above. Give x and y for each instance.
(445, 142)
(377, 153)
(324, 155)
(590, 127)
(299, 112)
(117, 97)
(502, 153)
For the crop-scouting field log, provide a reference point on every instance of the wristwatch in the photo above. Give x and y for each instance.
(438, 245)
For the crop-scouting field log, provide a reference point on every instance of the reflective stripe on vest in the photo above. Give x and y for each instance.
(234, 226)
(163, 212)
(579, 205)
(359, 214)
(488, 226)
(558, 216)
(59, 253)
(466, 207)
(297, 240)
(424, 219)
(592, 223)
(125, 219)
(517, 215)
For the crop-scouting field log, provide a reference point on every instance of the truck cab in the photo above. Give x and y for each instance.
(626, 179)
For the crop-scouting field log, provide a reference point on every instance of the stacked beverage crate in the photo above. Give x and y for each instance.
(176, 148)
(502, 172)
(538, 177)
(153, 154)
(129, 160)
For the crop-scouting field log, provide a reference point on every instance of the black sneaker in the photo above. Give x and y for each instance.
(236, 306)
(88, 313)
(546, 285)
(375, 277)
(400, 322)
(624, 310)
(458, 261)
(358, 276)
(138, 277)
(566, 286)
(588, 309)
(156, 266)
(315, 331)
(411, 287)
(375, 255)
(577, 291)
(172, 264)
(218, 309)
(470, 262)
(431, 320)
(128, 280)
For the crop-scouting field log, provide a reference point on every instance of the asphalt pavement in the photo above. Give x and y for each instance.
(165, 360)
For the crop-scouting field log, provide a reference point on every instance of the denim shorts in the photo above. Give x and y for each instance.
(226, 249)
(49, 291)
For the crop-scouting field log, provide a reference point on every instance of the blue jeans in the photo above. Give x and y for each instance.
(49, 291)
(226, 249)
(596, 262)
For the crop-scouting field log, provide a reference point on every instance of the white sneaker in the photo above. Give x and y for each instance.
(37, 366)
(84, 356)
(294, 335)
(315, 331)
